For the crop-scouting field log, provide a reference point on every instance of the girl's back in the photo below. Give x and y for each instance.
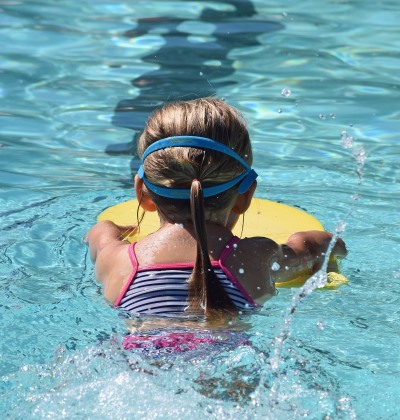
(196, 174)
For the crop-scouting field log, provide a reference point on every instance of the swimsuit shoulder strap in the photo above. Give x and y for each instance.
(132, 256)
(229, 247)
(135, 266)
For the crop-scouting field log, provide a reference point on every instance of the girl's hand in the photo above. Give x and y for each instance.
(313, 245)
(304, 254)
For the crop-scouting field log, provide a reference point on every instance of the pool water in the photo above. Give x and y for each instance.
(319, 85)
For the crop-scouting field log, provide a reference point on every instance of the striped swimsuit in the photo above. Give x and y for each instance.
(162, 289)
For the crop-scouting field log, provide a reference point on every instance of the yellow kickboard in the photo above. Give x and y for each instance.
(264, 218)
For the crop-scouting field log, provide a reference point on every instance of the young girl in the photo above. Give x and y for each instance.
(196, 174)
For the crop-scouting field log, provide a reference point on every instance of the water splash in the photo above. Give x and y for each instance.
(358, 150)
(347, 140)
(360, 156)
(275, 376)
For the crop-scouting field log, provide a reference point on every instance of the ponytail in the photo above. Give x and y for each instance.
(205, 290)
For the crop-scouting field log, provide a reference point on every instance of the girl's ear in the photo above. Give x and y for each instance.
(243, 200)
(143, 197)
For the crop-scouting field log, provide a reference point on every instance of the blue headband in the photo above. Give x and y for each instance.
(246, 178)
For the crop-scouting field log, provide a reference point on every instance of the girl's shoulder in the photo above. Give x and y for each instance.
(110, 255)
(258, 253)
(251, 262)
(258, 247)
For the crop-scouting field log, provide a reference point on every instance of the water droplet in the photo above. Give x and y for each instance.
(340, 227)
(286, 268)
(258, 288)
(355, 197)
(322, 116)
(234, 246)
(286, 92)
(280, 111)
(284, 14)
(201, 73)
(347, 140)
(360, 155)
(275, 266)
(332, 115)
(320, 325)
(241, 270)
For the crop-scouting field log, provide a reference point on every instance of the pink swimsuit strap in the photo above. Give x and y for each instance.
(229, 248)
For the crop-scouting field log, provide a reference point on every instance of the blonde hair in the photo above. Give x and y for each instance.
(195, 168)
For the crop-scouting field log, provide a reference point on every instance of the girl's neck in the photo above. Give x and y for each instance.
(213, 229)
(213, 219)
(176, 242)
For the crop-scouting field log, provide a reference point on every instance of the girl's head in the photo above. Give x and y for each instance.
(177, 167)
(220, 160)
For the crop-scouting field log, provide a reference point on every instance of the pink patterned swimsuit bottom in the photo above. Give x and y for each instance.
(183, 341)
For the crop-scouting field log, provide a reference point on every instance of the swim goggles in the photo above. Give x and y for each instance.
(245, 179)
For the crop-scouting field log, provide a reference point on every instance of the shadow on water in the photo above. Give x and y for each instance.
(188, 69)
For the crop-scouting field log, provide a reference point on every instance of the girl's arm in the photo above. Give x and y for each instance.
(304, 253)
(108, 250)
(105, 234)
(259, 262)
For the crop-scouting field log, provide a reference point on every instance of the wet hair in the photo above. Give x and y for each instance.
(195, 168)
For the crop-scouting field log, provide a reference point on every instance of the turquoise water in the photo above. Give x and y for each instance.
(77, 82)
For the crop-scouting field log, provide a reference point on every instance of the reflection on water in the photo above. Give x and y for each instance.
(193, 60)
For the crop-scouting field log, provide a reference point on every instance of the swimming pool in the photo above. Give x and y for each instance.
(77, 82)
